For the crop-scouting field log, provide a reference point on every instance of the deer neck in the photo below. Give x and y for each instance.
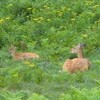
(80, 54)
(13, 54)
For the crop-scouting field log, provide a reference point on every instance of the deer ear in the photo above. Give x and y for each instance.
(12, 46)
(79, 45)
(82, 45)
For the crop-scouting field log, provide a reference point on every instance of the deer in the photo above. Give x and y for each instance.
(77, 64)
(22, 56)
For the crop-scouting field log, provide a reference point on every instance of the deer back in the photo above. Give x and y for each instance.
(21, 56)
(28, 55)
(76, 64)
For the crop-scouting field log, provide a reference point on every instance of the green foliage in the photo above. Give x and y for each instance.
(49, 28)
(27, 20)
(83, 94)
(36, 97)
(6, 95)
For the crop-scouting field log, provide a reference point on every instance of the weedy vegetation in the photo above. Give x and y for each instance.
(49, 28)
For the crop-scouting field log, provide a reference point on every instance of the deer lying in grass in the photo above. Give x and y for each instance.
(21, 56)
(77, 64)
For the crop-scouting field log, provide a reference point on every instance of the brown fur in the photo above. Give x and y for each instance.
(76, 64)
(21, 56)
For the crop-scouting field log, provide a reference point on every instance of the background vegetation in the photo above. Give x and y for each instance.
(49, 28)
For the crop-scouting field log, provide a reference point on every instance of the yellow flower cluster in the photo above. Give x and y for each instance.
(29, 64)
(98, 21)
(46, 7)
(85, 35)
(10, 4)
(60, 13)
(96, 6)
(69, 9)
(48, 20)
(91, 13)
(29, 8)
(2, 20)
(7, 18)
(89, 3)
(64, 8)
(73, 19)
(38, 19)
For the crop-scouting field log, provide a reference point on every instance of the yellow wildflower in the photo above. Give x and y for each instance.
(31, 65)
(29, 8)
(41, 18)
(10, 4)
(41, 9)
(85, 35)
(89, 2)
(64, 8)
(27, 16)
(1, 20)
(93, 14)
(73, 19)
(95, 6)
(60, 13)
(39, 21)
(68, 9)
(47, 7)
(35, 19)
(98, 21)
(27, 62)
(48, 20)
(33, 9)
(15, 75)
(7, 18)
(74, 13)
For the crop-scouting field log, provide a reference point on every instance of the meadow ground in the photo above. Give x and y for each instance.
(50, 29)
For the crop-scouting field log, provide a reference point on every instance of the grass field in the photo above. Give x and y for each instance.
(49, 28)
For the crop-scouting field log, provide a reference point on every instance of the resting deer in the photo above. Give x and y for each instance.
(77, 64)
(21, 56)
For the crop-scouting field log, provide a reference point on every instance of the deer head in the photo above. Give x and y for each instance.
(77, 48)
(12, 49)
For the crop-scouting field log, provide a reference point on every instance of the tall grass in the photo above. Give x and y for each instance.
(49, 28)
